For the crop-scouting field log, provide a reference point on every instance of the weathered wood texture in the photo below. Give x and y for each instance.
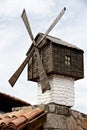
(75, 69)
(53, 57)
(38, 122)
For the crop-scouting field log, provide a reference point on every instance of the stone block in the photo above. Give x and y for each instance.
(84, 123)
(52, 108)
(62, 110)
(55, 121)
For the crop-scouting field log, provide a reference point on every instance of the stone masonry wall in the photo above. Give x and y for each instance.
(63, 118)
(62, 91)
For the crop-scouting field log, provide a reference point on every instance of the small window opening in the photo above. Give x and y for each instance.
(67, 60)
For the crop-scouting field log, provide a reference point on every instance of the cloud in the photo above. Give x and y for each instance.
(13, 8)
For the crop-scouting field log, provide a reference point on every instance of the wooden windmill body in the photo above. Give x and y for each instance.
(58, 57)
(54, 64)
(63, 63)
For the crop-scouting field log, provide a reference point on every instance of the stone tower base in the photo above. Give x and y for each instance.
(56, 117)
(62, 91)
(63, 118)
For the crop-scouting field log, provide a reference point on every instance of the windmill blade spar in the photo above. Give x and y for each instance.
(18, 72)
(55, 21)
(26, 22)
(41, 71)
(52, 25)
(45, 85)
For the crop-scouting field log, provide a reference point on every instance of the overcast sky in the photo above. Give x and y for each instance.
(15, 41)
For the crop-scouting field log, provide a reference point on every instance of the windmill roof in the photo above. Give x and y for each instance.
(59, 41)
(56, 41)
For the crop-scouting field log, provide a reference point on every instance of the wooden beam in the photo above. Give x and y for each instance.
(37, 122)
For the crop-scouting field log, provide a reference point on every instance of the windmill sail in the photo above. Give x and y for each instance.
(42, 74)
(41, 71)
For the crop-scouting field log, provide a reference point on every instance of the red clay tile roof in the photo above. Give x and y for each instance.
(30, 119)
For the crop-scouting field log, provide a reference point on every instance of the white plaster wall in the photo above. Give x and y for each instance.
(62, 91)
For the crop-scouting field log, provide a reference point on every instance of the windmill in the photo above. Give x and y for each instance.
(43, 78)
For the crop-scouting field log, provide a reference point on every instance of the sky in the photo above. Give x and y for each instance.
(15, 41)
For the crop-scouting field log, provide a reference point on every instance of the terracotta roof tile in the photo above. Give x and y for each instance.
(19, 119)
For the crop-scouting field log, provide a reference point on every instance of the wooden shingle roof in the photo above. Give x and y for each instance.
(60, 42)
(29, 119)
(54, 40)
